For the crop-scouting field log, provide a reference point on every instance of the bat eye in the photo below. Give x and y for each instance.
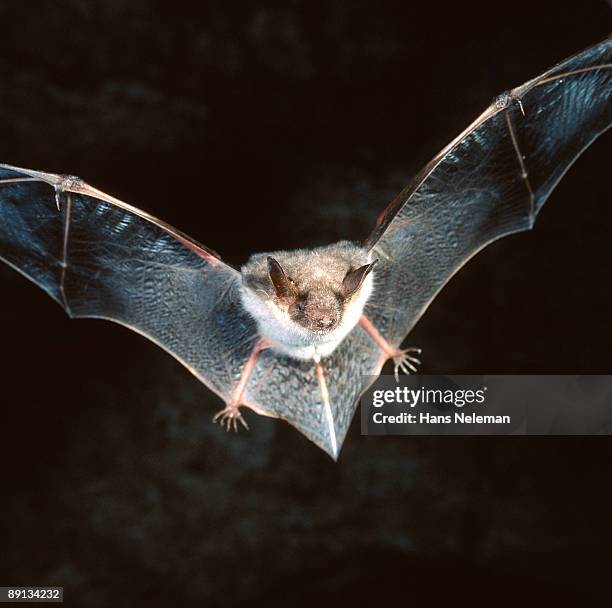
(298, 308)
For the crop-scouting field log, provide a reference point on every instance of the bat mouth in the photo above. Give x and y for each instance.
(321, 332)
(318, 321)
(318, 326)
(322, 327)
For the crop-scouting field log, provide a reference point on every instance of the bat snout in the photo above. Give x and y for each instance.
(324, 321)
(320, 312)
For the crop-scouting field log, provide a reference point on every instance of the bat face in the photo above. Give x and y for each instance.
(307, 301)
(318, 311)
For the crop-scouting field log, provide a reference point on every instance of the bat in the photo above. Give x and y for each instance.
(299, 335)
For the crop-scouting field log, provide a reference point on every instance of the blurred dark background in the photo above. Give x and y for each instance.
(260, 125)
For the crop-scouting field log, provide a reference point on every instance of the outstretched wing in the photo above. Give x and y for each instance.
(490, 181)
(99, 257)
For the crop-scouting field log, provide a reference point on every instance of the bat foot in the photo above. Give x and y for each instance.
(406, 361)
(229, 417)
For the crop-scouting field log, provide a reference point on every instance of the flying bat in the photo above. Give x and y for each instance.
(299, 335)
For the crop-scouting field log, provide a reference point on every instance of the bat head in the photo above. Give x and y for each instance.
(318, 303)
(306, 301)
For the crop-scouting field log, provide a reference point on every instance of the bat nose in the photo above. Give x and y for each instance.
(324, 321)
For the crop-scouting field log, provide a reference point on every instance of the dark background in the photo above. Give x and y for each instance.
(254, 126)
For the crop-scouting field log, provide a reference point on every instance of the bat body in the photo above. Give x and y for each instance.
(298, 335)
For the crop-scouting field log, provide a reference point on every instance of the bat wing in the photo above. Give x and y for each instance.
(99, 257)
(490, 181)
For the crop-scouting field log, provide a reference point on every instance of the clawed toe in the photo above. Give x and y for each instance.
(229, 418)
(406, 362)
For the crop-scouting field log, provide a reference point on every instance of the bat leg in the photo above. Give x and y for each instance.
(230, 415)
(403, 359)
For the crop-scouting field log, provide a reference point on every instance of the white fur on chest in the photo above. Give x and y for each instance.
(294, 340)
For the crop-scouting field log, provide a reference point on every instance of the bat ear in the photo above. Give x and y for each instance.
(282, 285)
(354, 279)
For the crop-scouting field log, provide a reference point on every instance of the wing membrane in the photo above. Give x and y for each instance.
(489, 182)
(98, 257)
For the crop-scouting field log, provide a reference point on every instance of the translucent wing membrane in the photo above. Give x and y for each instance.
(489, 182)
(101, 258)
